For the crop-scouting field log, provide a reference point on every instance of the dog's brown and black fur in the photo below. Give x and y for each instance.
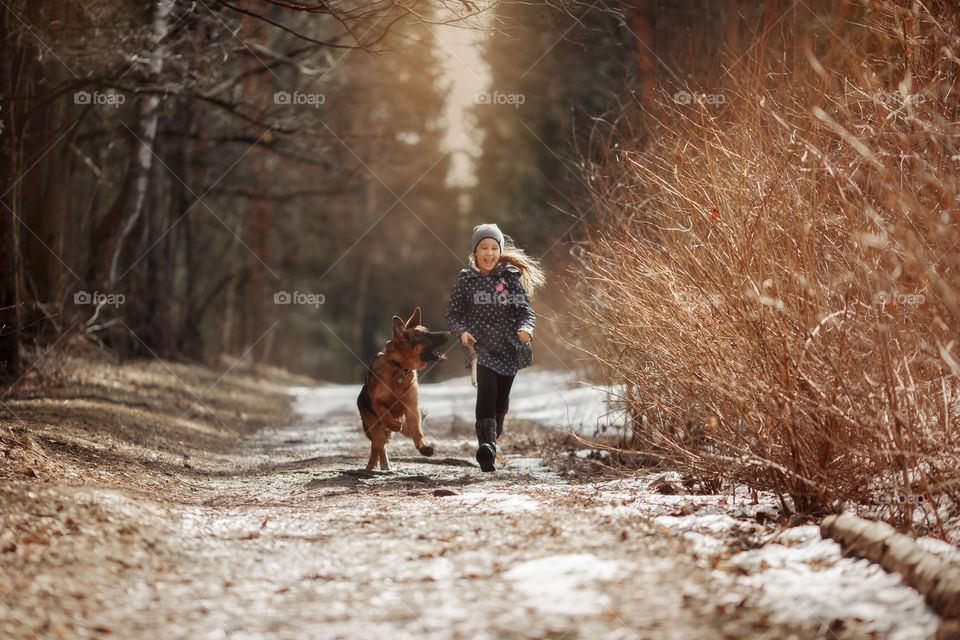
(389, 399)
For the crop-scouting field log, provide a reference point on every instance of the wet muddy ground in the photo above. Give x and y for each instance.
(277, 532)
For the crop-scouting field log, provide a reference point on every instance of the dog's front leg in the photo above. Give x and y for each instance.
(389, 422)
(413, 429)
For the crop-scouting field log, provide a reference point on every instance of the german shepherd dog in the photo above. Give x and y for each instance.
(389, 399)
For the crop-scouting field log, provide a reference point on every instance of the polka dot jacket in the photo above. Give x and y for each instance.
(492, 308)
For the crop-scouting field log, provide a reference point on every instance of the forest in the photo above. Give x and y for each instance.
(169, 170)
(233, 234)
(747, 210)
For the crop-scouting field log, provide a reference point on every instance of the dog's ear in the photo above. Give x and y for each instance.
(414, 319)
(397, 327)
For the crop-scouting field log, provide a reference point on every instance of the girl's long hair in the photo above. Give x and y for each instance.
(531, 273)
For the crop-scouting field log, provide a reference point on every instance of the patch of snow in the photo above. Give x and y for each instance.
(943, 549)
(560, 584)
(433, 570)
(559, 399)
(498, 502)
(708, 523)
(798, 575)
(804, 533)
(704, 545)
(551, 398)
(531, 466)
(318, 402)
(806, 546)
(811, 582)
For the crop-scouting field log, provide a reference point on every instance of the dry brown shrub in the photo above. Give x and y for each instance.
(775, 274)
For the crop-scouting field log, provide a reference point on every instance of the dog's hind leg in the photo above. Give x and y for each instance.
(384, 461)
(374, 457)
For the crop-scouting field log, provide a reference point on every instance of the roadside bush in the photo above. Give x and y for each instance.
(774, 276)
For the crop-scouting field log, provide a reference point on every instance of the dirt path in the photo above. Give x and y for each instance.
(291, 540)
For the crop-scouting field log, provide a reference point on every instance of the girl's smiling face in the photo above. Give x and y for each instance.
(487, 254)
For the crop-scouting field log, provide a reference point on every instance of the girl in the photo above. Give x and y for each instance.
(490, 309)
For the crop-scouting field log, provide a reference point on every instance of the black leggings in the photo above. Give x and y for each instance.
(493, 393)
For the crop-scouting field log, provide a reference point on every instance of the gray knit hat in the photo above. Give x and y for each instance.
(482, 231)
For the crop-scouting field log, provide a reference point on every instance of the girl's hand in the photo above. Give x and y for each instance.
(523, 335)
(466, 339)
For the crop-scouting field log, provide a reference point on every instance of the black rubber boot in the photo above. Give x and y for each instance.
(487, 439)
(500, 417)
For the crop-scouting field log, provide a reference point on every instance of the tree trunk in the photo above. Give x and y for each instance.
(9, 225)
(148, 119)
(259, 215)
(733, 31)
(363, 285)
(258, 231)
(641, 21)
(9, 259)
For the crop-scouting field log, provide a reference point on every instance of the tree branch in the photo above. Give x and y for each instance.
(293, 32)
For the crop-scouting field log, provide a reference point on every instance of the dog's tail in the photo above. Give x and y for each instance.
(473, 364)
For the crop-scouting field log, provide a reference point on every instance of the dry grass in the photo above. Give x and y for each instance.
(72, 414)
(775, 279)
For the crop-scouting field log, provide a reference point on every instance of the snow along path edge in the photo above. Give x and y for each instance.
(936, 580)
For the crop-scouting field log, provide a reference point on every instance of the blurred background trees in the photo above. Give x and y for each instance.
(170, 168)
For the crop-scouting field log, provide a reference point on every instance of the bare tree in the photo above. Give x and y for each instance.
(147, 126)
